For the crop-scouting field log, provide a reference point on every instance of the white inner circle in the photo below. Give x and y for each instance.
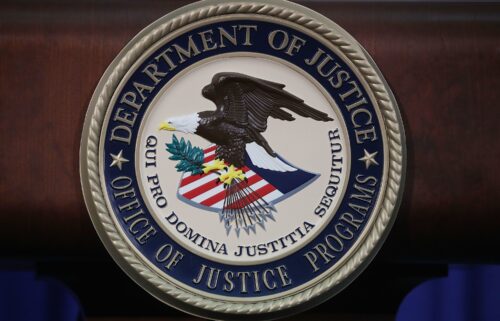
(304, 143)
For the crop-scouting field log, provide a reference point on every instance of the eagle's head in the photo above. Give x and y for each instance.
(184, 124)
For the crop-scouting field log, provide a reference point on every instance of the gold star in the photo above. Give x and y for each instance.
(369, 159)
(118, 160)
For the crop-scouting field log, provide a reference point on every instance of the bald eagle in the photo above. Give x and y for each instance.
(243, 105)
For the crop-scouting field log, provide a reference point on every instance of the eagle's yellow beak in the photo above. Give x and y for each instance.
(166, 126)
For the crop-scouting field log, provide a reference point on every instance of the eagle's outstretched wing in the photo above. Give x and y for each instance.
(248, 102)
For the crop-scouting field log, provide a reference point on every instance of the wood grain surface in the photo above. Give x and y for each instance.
(441, 60)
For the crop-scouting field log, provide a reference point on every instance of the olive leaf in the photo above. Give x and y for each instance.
(190, 157)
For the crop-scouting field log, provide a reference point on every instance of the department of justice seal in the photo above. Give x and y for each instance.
(242, 159)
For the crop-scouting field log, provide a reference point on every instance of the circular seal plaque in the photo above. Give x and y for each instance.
(242, 159)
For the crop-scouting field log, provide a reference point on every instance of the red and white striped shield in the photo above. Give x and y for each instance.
(206, 192)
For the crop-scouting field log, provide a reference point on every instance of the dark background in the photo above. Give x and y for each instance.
(442, 61)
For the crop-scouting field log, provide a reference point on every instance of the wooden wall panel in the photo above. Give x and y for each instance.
(441, 60)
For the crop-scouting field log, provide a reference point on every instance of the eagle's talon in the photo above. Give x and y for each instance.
(217, 165)
(232, 174)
